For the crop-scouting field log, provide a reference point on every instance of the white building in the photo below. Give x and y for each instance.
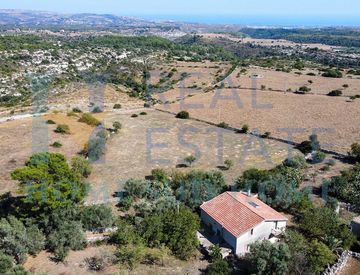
(241, 220)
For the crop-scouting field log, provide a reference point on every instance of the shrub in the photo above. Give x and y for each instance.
(267, 258)
(215, 253)
(135, 188)
(117, 126)
(62, 129)
(143, 113)
(71, 114)
(223, 125)
(160, 175)
(56, 144)
(183, 115)
(6, 263)
(126, 203)
(297, 162)
(89, 120)
(190, 160)
(76, 110)
(117, 106)
(228, 164)
(346, 86)
(97, 109)
(355, 151)
(95, 148)
(332, 73)
(244, 129)
(335, 93)
(320, 256)
(318, 157)
(134, 115)
(95, 263)
(197, 186)
(219, 267)
(345, 187)
(50, 122)
(97, 217)
(310, 145)
(81, 166)
(304, 89)
(266, 135)
(67, 236)
(103, 134)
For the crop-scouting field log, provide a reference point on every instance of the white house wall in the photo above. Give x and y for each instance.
(260, 232)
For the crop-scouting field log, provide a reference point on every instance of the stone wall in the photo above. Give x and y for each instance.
(341, 263)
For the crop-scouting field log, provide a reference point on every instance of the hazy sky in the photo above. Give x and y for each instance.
(339, 8)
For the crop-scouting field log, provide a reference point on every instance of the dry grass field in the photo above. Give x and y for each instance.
(20, 138)
(337, 119)
(282, 81)
(269, 42)
(104, 96)
(130, 155)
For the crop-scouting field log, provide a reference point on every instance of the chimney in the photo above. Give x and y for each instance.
(249, 193)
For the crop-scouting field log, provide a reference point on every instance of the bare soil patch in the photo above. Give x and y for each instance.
(352, 267)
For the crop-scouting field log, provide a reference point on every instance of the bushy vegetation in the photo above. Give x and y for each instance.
(197, 186)
(309, 146)
(304, 89)
(278, 187)
(189, 160)
(62, 129)
(49, 182)
(117, 126)
(56, 144)
(223, 125)
(355, 151)
(346, 186)
(267, 258)
(332, 73)
(49, 213)
(50, 121)
(183, 115)
(89, 120)
(335, 93)
(175, 229)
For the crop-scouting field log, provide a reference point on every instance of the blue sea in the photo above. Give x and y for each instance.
(277, 21)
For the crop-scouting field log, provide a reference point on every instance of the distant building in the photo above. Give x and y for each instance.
(241, 219)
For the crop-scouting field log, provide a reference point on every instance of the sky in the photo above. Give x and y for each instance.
(337, 10)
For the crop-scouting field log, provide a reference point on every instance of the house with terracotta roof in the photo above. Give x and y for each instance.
(241, 219)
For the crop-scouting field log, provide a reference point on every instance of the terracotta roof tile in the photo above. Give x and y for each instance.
(238, 213)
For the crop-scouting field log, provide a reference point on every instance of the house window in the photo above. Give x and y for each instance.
(276, 225)
(252, 232)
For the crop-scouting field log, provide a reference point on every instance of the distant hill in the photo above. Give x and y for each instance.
(37, 18)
